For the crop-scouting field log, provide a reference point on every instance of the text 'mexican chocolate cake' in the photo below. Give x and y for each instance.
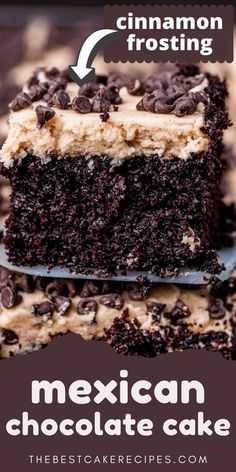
(117, 175)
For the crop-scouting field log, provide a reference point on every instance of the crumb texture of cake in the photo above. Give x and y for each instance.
(135, 319)
(146, 214)
(116, 175)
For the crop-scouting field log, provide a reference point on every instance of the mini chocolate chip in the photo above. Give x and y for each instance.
(9, 337)
(91, 289)
(52, 73)
(112, 300)
(162, 107)
(112, 94)
(55, 288)
(87, 307)
(217, 309)
(44, 309)
(26, 283)
(37, 91)
(179, 312)
(9, 297)
(175, 91)
(5, 276)
(154, 82)
(118, 80)
(101, 102)
(135, 87)
(81, 104)
(89, 89)
(136, 294)
(185, 106)
(155, 309)
(61, 303)
(54, 85)
(44, 114)
(199, 97)
(21, 101)
(42, 282)
(188, 69)
(60, 99)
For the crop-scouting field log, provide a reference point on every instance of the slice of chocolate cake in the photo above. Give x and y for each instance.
(116, 175)
(134, 319)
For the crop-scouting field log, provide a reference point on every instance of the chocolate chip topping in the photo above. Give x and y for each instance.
(21, 101)
(44, 114)
(117, 79)
(185, 106)
(101, 101)
(87, 307)
(9, 297)
(26, 283)
(55, 288)
(112, 300)
(135, 293)
(217, 309)
(135, 87)
(155, 309)
(5, 277)
(81, 104)
(112, 93)
(37, 91)
(166, 93)
(60, 99)
(91, 289)
(179, 312)
(61, 303)
(177, 101)
(9, 337)
(52, 73)
(89, 89)
(44, 309)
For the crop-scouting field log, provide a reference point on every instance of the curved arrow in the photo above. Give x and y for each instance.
(82, 72)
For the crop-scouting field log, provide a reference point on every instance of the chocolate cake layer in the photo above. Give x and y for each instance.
(135, 319)
(145, 214)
